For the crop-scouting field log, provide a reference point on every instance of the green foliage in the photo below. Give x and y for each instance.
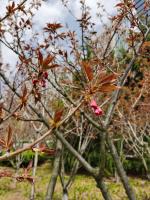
(132, 166)
(110, 166)
(69, 160)
(93, 158)
(27, 156)
(135, 166)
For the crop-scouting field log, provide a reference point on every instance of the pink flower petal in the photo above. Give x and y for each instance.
(93, 104)
(95, 108)
(98, 111)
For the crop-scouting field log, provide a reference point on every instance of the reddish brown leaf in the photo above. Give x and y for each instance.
(29, 167)
(119, 5)
(20, 178)
(2, 143)
(107, 88)
(53, 66)
(58, 115)
(40, 58)
(7, 143)
(24, 178)
(24, 97)
(53, 27)
(88, 70)
(11, 8)
(48, 60)
(48, 63)
(49, 151)
(25, 91)
(108, 79)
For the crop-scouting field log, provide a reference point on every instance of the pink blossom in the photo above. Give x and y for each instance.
(96, 109)
(93, 104)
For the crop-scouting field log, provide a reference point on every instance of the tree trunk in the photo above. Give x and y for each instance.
(87, 166)
(16, 174)
(146, 168)
(102, 155)
(101, 185)
(65, 195)
(32, 195)
(55, 172)
(18, 163)
(102, 160)
(120, 170)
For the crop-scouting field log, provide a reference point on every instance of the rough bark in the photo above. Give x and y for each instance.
(92, 171)
(65, 195)
(120, 170)
(55, 172)
(101, 185)
(32, 195)
(147, 170)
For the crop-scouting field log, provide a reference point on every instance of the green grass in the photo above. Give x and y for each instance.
(84, 188)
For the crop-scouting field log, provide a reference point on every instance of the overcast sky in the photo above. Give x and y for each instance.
(53, 11)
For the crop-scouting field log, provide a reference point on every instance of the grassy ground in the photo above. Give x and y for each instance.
(84, 188)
